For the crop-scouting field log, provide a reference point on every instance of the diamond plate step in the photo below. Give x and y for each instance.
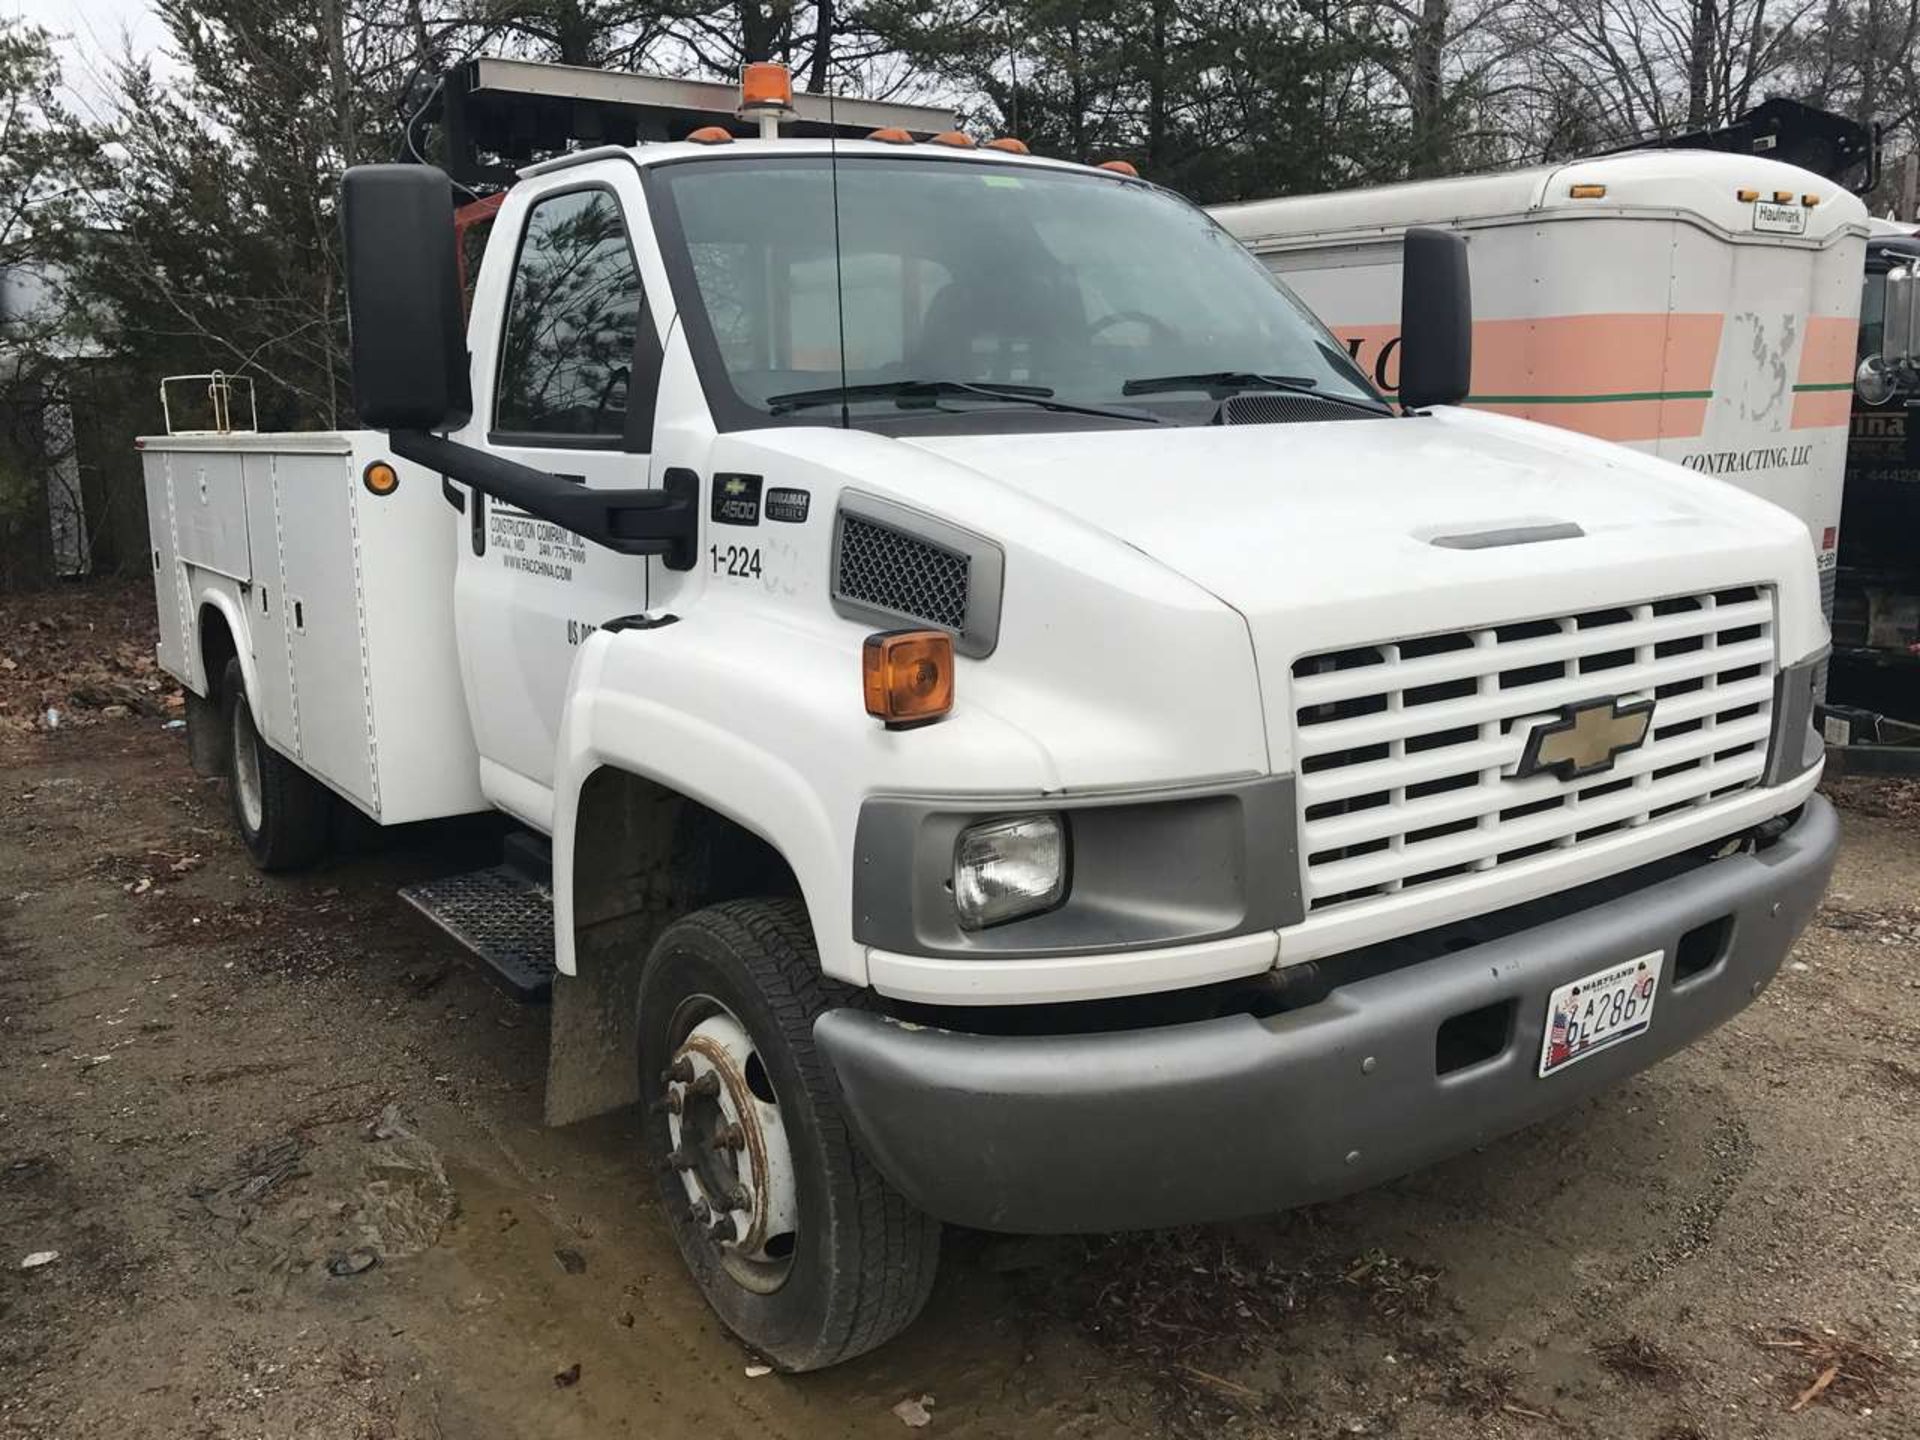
(502, 917)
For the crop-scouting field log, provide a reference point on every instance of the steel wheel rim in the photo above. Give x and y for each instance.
(246, 768)
(729, 1145)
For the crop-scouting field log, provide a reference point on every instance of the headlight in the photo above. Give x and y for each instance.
(1003, 869)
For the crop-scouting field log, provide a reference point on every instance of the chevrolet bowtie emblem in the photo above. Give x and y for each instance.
(1585, 739)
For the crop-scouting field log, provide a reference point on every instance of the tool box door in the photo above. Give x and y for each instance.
(322, 615)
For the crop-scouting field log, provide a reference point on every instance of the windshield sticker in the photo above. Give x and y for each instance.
(1002, 182)
(788, 506)
(736, 499)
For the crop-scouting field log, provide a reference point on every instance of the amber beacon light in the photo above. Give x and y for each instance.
(380, 478)
(908, 675)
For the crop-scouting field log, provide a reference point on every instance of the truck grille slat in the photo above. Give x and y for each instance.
(1408, 748)
(1346, 684)
(1417, 715)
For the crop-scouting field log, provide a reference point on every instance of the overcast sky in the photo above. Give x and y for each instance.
(90, 32)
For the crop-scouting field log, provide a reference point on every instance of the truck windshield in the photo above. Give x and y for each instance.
(957, 278)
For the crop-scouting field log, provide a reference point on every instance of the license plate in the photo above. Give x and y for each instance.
(1600, 1010)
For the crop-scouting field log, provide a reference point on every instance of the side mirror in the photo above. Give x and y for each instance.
(1436, 320)
(1897, 335)
(404, 320)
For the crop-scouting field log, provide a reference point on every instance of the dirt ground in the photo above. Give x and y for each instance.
(217, 1090)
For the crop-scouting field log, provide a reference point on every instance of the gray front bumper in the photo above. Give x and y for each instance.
(1237, 1116)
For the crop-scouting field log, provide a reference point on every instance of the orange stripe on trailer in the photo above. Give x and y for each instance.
(1619, 377)
(1560, 357)
(1823, 390)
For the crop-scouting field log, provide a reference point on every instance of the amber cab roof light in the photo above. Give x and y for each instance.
(959, 139)
(1120, 167)
(891, 135)
(907, 676)
(1009, 144)
(766, 96)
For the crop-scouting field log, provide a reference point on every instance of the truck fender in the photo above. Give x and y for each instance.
(214, 592)
(713, 764)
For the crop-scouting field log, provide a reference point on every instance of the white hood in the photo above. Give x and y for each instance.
(1323, 534)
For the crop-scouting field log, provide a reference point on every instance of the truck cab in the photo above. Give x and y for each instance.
(1025, 734)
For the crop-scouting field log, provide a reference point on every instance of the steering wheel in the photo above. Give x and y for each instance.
(1161, 330)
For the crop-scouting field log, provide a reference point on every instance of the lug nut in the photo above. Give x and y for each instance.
(722, 1230)
(680, 1161)
(707, 1086)
(698, 1212)
(739, 1198)
(731, 1138)
(681, 1071)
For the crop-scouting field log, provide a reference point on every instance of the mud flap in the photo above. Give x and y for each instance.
(593, 1053)
(206, 735)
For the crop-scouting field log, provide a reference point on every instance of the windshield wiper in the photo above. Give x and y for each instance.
(1223, 383)
(908, 390)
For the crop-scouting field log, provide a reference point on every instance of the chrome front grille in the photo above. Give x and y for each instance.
(1407, 749)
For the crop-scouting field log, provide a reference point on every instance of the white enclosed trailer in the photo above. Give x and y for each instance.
(1696, 305)
(1011, 727)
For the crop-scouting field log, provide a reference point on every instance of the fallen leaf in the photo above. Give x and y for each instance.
(754, 1372)
(39, 1258)
(568, 1376)
(1814, 1391)
(915, 1414)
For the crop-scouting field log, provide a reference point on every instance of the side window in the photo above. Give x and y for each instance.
(572, 313)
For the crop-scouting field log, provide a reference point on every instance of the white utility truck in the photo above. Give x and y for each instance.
(1020, 732)
(1694, 304)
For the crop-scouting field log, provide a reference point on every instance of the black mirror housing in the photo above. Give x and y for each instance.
(405, 324)
(1436, 320)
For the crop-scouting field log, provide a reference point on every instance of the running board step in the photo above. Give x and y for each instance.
(502, 917)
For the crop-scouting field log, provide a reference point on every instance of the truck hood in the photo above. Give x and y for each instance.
(1339, 533)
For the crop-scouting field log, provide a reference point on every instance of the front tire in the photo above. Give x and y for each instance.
(280, 811)
(800, 1246)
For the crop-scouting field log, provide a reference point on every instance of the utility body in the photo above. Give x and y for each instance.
(1023, 734)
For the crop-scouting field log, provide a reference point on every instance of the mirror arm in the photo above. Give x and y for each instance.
(663, 522)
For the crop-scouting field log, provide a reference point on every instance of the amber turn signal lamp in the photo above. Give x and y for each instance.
(765, 86)
(380, 478)
(891, 135)
(908, 675)
(1120, 167)
(712, 135)
(959, 139)
(1588, 192)
(1010, 145)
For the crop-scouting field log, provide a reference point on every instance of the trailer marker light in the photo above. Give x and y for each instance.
(1783, 197)
(1588, 192)
(712, 135)
(959, 139)
(1120, 167)
(380, 478)
(890, 135)
(1809, 200)
(1009, 144)
(1746, 195)
(907, 675)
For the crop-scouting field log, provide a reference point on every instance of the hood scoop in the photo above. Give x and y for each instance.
(1519, 532)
